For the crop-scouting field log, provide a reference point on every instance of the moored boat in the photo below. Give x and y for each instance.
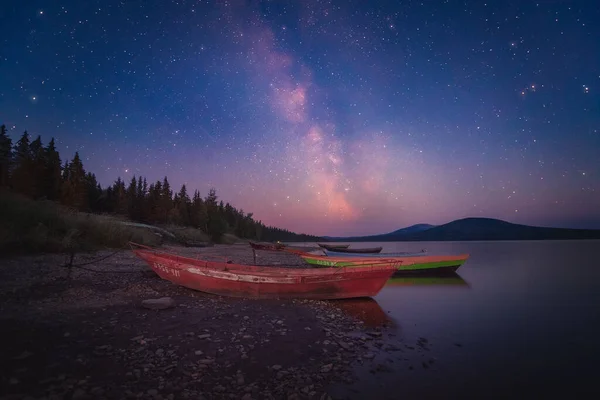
(237, 280)
(333, 246)
(298, 250)
(331, 253)
(412, 264)
(364, 250)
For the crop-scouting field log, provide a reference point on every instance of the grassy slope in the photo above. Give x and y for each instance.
(28, 226)
(187, 234)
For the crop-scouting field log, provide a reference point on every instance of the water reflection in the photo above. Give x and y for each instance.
(429, 280)
(366, 310)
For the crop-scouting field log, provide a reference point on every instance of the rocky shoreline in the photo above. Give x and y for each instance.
(86, 334)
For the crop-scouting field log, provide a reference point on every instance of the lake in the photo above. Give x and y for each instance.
(521, 320)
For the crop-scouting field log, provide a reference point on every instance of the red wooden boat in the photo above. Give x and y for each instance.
(299, 251)
(228, 279)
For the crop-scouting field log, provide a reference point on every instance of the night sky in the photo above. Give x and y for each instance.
(326, 117)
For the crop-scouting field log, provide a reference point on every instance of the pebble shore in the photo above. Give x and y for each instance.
(96, 335)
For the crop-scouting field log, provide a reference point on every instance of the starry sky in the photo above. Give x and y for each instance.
(326, 117)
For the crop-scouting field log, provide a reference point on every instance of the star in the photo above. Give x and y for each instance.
(320, 118)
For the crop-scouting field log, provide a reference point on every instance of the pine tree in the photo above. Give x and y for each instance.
(216, 224)
(174, 217)
(166, 200)
(74, 188)
(145, 214)
(52, 172)
(22, 150)
(93, 192)
(141, 199)
(65, 171)
(38, 164)
(22, 176)
(155, 202)
(119, 197)
(132, 194)
(211, 199)
(240, 224)
(36, 146)
(231, 216)
(77, 175)
(183, 196)
(5, 157)
(258, 229)
(140, 190)
(184, 206)
(198, 214)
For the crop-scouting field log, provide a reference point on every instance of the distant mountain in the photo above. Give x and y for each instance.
(477, 229)
(411, 229)
(371, 238)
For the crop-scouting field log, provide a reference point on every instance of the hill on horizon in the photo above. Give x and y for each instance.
(473, 228)
(408, 229)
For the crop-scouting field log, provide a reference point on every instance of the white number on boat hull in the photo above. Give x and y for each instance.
(168, 270)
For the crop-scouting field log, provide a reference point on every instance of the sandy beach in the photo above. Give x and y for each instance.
(86, 335)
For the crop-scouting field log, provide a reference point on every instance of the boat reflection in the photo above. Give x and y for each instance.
(365, 309)
(427, 280)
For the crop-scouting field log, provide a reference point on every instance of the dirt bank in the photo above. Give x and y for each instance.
(87, 335)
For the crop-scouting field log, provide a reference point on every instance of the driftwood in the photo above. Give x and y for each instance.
(163, 232)
(191, 243)
(151, 227)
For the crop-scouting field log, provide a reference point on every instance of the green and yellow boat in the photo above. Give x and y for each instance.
(423, 264)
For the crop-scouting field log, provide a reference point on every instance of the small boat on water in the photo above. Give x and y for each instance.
(237, 280)
(333, 246)
(411, 264)
(364, 250)
(331, 253)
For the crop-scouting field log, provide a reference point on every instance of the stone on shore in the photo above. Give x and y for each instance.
(159, 304)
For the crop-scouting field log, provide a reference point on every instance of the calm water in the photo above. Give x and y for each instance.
(521, 320)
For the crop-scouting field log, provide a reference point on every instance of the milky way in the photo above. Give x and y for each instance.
(326, 117)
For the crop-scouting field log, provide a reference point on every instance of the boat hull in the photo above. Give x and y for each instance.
(235, 280)
(367, 250)
(413, 264)
(331, 253)
(333, 246)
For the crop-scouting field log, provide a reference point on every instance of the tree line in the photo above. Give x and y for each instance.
(36, 171)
